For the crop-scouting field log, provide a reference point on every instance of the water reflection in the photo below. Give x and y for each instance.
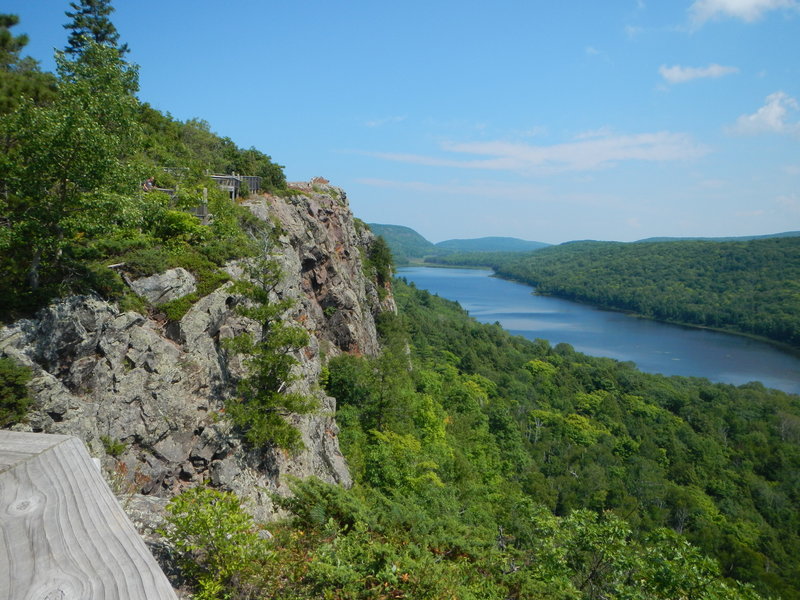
(654, 347)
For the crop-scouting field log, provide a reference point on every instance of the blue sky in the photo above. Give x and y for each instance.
(548, 121)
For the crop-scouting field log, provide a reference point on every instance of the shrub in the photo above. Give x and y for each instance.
(180, 226)
(14, 397)
(217, 544)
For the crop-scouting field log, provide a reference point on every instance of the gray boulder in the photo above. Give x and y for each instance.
(163, 287)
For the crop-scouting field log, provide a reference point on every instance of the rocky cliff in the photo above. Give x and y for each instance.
(147, 396)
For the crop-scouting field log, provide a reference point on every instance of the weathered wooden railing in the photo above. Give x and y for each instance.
(63, 535)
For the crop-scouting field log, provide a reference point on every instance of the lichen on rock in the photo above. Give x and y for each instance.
(155, 393)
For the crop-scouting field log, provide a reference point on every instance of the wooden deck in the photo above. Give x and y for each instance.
(63, 535)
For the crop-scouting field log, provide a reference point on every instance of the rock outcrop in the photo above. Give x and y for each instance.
(148, 397)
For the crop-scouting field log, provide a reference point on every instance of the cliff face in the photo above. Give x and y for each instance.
(153, 394)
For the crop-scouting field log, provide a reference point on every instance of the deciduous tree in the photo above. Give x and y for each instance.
(67, 168)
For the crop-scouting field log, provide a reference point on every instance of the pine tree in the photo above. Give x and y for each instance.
(10, 44)
(90, 22)
(20, 77)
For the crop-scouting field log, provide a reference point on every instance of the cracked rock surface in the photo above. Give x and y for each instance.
(152, 394)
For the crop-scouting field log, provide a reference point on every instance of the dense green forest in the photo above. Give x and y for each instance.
(406, 244)
(748, 287)
(77, 147)
(490, 466)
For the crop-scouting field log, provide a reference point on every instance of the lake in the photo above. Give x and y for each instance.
(654, 347)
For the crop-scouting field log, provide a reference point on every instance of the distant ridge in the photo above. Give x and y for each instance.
(407, 244)
(744, 238)
(404, 242)
(490, 244)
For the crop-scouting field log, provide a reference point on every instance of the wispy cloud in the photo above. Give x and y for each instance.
(633, 31)
(679, 74)
(384, 121)
(519, 193)
(602, 132)
(493, 189)
(746, 10)
(773, 117)
(584, 154)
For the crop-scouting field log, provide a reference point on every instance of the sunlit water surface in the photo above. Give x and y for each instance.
(654, 347)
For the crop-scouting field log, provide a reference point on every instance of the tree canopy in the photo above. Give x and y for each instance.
(66, 169)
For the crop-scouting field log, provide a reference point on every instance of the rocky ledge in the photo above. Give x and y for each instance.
(147, 397)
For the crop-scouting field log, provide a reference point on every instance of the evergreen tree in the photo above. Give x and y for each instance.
(10, 45)
(90, 22)
(20, 77)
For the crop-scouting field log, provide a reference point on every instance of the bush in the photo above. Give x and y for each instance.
(176, 225)
(14, 397)
(217, 544)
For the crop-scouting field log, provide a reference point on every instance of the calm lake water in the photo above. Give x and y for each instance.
(654, 347)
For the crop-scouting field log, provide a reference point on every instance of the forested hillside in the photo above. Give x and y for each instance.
(407, 245)
(488, 466)
(748, 287)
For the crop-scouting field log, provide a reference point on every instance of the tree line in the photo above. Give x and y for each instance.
(750, 287)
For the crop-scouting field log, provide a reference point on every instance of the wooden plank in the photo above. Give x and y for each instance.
(62, 532)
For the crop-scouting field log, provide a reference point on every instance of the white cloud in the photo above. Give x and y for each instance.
(633, 31)
(634, 222)
(581, 155)
(493, 189)
(679, 74)
(746, 10)
(604, 131)
(773, 117)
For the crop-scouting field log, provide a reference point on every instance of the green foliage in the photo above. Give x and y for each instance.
(409, 246)
(378, 264)
(489, 244)
(193, 147)
(75, 150)
(262, 406)
(10, 45)
(14, 397)
(20, 77)
(65, 176)
(112, 446)
(405, 243)
(90, 24)
(488, 466)
(217, 544)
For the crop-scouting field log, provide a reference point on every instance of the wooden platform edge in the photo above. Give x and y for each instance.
(63, 534)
